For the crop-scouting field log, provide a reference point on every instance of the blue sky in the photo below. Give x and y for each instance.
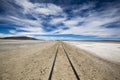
(61, 19)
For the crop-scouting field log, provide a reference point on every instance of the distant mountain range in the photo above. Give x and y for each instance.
(19, 38)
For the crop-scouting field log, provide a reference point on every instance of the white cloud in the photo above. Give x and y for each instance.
(24, 21)
(85, 6)
(31, 29)
(5, 35)
(55, 21)
(27, 25)
(73, 21)
(94, 28)
(93, 24)
(55, 38)
(2, 35)
(39, 8)
(48, 9)
(25, 4)
(12, 31)
(33, 9)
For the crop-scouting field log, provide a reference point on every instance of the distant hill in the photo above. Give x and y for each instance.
(19, 38)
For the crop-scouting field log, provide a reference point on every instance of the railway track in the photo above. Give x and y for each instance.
(60, 50)
(51, 72)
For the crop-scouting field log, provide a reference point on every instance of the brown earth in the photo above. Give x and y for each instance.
(35, 61)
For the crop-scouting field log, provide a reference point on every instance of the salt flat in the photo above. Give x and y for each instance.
(106, 50)
(20, 41)
(33, 60)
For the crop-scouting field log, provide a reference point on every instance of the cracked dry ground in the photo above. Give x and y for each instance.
(34, 62)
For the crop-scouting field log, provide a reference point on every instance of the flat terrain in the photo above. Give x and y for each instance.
(106, 50)
(53, 60)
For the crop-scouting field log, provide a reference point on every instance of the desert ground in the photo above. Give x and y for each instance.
(59, 60)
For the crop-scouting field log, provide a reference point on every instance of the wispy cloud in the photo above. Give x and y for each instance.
(87, 19)
(55, 21)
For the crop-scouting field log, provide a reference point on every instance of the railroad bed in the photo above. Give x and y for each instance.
(62, 67)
